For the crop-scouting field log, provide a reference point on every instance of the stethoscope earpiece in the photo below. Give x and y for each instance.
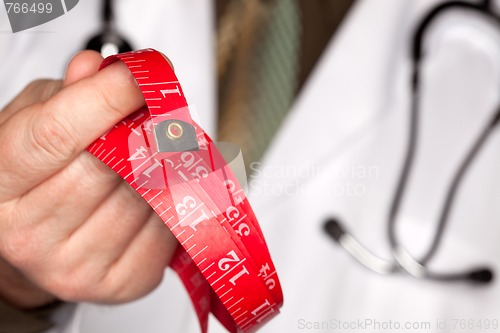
(334, 229)
(481, 276)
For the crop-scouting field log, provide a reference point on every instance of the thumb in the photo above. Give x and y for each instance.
(82, 65)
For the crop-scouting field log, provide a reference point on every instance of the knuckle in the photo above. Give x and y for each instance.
(52, 139)
(76, 285)
(122, 291)
(18, 248)
(109, 288)
(49, 88)
(82, 281)
(20, 244)
(97, 173)
(84, 284)
(34, 86)
(62, 286)
(42, 88)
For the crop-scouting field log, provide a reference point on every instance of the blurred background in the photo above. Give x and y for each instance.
(318, 94)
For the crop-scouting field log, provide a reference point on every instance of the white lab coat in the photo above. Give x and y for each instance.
(348, 131)
(339, 154)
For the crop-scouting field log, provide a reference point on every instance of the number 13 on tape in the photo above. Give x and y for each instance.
(168, 159)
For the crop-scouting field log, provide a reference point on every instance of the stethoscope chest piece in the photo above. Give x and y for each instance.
(109, 41)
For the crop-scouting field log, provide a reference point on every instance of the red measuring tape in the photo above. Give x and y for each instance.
(171, 162)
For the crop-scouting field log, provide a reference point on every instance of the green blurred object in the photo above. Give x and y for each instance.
(265, 51)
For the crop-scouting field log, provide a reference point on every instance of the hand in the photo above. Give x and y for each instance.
(70, 228)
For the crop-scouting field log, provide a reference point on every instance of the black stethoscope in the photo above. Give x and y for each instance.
(108, 41)
(403, 261)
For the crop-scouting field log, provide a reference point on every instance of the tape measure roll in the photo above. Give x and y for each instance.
(171, 162)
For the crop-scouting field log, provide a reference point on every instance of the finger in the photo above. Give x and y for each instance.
(108, 232)
(46, 137)
(88, 231)
(144, 262)
(82, 65)
(35, 92)
(136, 272)
(64, 202)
